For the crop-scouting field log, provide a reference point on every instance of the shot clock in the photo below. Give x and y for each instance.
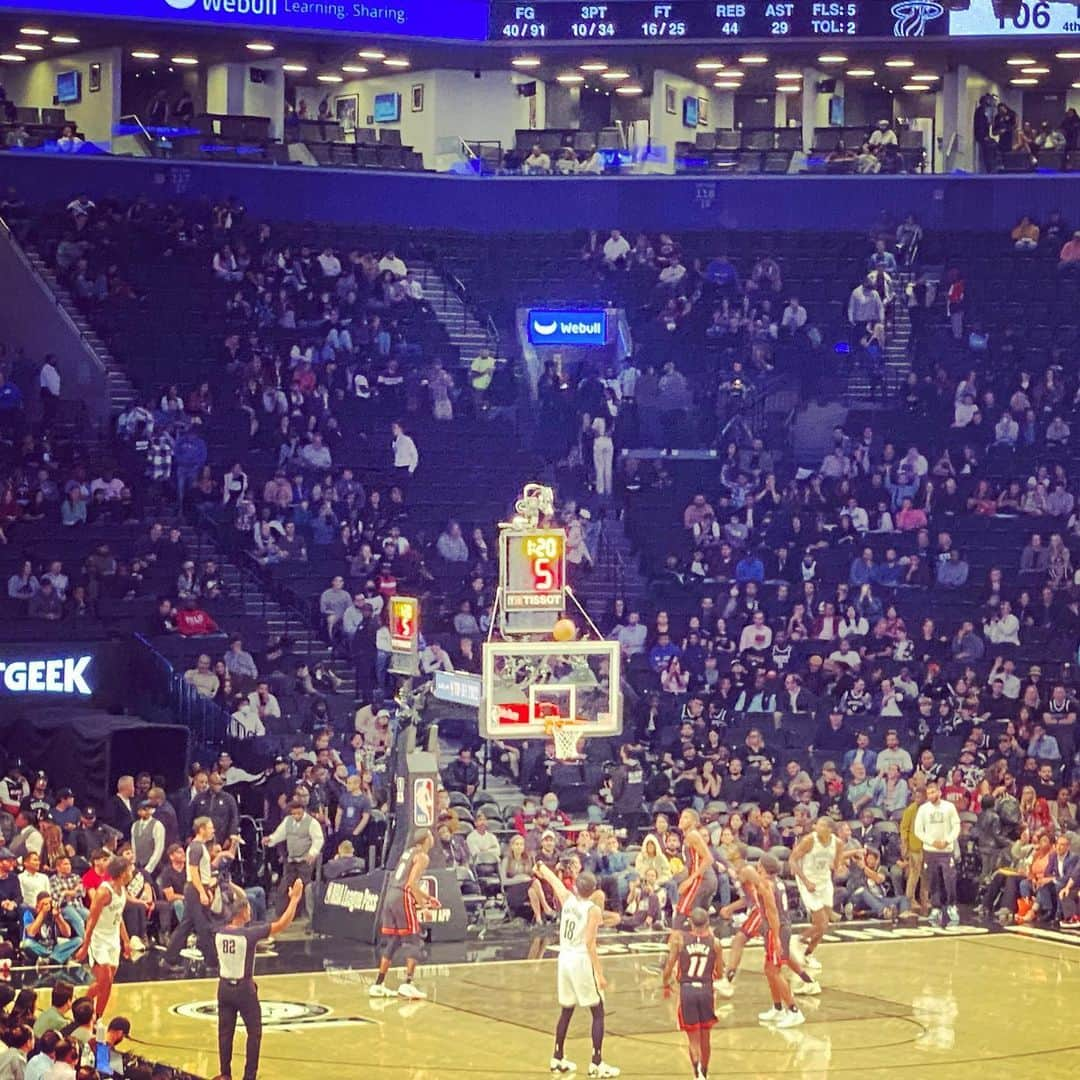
(404, 620)
(532, 573)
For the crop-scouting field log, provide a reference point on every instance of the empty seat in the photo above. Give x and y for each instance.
(389, 137)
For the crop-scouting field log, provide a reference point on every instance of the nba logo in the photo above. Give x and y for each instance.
(424, 802)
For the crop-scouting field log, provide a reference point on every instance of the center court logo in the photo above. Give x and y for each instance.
(276, 1015)
(912, 16)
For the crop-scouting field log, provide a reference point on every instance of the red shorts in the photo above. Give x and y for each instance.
(751, 926)
(776, 949)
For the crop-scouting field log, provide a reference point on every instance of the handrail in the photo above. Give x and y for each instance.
(65, 315)
(140, 125)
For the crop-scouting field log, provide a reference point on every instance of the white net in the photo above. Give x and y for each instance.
(565, 736)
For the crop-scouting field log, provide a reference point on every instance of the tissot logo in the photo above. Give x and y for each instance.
(67, 676)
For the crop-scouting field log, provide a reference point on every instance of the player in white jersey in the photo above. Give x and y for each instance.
(814, 860)
(106, 936)
(581, 982)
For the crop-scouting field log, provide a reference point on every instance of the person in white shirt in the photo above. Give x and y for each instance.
(593, 165)
(329, 263)
(673, 273)
(482, 843)
(394, 263)
(794, 317)
(245, 722)
(1002, 627)
(32, 881)
(937, 825)
(435, 658)
(616, 249)
(537, 163)
(894, 754)
(883, 135)
(406, 456)
(631, 635)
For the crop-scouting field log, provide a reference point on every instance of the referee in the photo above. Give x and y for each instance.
(237, 993)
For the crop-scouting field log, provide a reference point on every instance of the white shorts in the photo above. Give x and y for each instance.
(577, 984)
(820, 899)
(104, 952)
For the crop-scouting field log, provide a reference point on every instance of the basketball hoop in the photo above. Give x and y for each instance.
(565, 733)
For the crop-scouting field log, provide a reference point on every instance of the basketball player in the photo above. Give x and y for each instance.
(106, 937)
(581, 982)
(814, 860)
(401, 923)
(750, 928)
(776, 926)
(237, 993)
(699, 888)
(699, 960)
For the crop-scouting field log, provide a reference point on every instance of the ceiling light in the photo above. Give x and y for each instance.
(709, 65)
(726, 84)
(371, 54)
(1071, 55)
(396, 62)
(295, 68)
(915, 88)
(629, 91)
(832, 58)
(184, 61)
(570, 77)
(13, 58)
(526, 61)
(753, 58)
(33, 31)
(259, 46)
(1024, 82)
(145, 54)
(329, 78)
(65, 39)
(593, 65)
(927, 77)
(788, 75)
(29, 46)
(789, 88)
(899, 62)
(1019, 61)
(354, 69)
(1075, 85)
(1035, 71)
(615, 76)
(860, 73)
(731, 73)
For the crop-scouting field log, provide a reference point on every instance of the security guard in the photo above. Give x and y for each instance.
(237, 992)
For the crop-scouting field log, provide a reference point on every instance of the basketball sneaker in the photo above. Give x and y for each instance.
(380, 990)
(771, 1016)
(935, 916)
(408, 990)
(954, 915)
(604, 1070)
(790, 1018)
(562, 1065)
(812, 987)
(725, 988)
(811, 963)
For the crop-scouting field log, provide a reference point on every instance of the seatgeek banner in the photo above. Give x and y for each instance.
(459, 20)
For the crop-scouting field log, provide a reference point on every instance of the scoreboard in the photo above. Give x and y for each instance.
(719, 20)
(533, 567)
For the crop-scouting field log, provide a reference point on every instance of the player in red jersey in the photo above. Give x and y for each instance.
(699, 888)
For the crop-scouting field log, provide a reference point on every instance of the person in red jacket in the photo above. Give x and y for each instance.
(192, 621)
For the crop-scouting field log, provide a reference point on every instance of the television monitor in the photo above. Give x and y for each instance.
(387, 109)
(68, 87)
(836, 111)
(690, 112)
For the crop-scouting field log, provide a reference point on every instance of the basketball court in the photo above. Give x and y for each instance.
(966, 1003)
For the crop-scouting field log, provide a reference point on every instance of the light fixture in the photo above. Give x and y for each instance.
(12, 58)
(730, 73)
(789, 88)
(726, 84)
(145, 54)
(1035, 71)
(926, 77)
(260, 46)
(396, 62)
(1024, 82)
(629, 91)
(915, 88)
(860, 73)
(65, 39)
(615, 76)
(33, 31)
(899, 62)
(371, 54)
(1019, 61)
(1070, 55)
(709, 65)
(29, 46)
(753, 58)
(329, 78)
(296, 69)
(184, 61)
(593, 65)
(832, 58)
(787, 76)
(354, 69)
(1076, 85)
(526, 61)
(568, 78)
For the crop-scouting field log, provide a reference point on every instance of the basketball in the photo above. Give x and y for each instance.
(564, 630)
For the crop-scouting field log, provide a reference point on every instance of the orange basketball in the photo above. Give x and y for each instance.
(564, 630)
